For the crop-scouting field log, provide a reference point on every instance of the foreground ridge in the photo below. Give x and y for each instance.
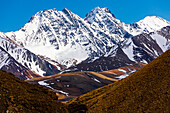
(17, 96)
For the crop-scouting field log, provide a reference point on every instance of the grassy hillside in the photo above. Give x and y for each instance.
(147, 90)
(17, 96)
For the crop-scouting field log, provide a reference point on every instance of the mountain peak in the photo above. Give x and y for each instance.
(66, 10)
(107, 10)
(153, 19)
(96, 9)
(99, 9)
(152, 23)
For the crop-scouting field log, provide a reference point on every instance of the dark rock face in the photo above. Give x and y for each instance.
(165, 32)
(145, 46)
(120, 59)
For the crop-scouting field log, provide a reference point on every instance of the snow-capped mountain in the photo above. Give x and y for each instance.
(148, 24)
(53, 41)
(101, 20)
(68, 39)
(60, 35)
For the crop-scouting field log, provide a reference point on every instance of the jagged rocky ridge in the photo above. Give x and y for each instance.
(16, 59)
(58, 40)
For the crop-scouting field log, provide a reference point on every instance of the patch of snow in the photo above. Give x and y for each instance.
(96, 80)
(122, 70)
(125, 75)
(4, 59)
(128, 49)
(161, 41)
(152, 23)
(62, 92)
(100, 68)
(47, 85)
(122, 76)
(43, 83)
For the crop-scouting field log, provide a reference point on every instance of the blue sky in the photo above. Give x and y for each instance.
(15, 13)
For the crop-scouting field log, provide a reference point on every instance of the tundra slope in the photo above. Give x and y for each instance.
(17, 96)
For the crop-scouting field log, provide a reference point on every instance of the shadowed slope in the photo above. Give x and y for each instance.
(147, 90)
(21, 97)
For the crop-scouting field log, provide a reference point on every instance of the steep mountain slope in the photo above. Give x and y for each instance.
(141, 48)
(146, 47)
(17, 96)
(25, 58)
(9, 64)
(114, 60)
(146, 90)
(66, 38)
(103, 21)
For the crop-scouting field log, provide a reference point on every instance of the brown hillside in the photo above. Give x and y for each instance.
(75, 84)
(147, 90)
(17, 96)
(79, 83)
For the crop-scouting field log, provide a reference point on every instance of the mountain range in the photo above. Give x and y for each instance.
(60, 41)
